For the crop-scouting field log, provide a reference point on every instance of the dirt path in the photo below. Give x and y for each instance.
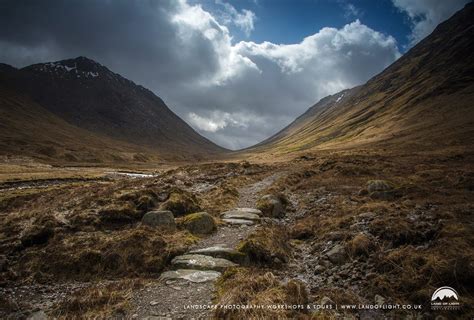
(182, 299)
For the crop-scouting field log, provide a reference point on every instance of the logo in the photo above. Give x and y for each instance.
(445, 298)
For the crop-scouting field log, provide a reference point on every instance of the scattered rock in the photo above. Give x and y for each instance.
(153, 303)
(199, 223)
(337, 254)
(159, 219)
(196, 276)
(271, 206)
(201, 262)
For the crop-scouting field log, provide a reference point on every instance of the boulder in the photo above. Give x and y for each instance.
(381, 190)
(201, 262)
(159, 219)
(337, 254)
(271, 206)
(190, 275)
(199, 223)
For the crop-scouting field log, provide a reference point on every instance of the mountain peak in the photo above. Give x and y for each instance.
(80, 67)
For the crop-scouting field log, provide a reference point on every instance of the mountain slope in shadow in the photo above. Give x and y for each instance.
(90, 97)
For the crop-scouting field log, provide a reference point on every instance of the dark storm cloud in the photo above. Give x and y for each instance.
(236, 94)
(131, 36)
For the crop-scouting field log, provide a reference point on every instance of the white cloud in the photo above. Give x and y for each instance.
(351, 11)
(425, 15)
(218, 120)
(277, 82)
(236, 94)
(243, 19)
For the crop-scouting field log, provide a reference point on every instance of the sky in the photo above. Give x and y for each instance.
(236, 71)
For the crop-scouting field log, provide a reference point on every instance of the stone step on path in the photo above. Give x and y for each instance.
(196, 276)
(201, 262)
(206, 264)
(241, 216)
(223, 253)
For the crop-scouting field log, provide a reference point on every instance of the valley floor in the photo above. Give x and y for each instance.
(359, 228)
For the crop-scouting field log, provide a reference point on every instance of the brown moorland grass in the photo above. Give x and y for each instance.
(255, 287)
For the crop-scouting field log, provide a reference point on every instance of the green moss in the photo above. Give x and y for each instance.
(181, 202)
(198, 223)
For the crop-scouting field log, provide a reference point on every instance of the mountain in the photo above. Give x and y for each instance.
(423, 100)
(28, 129)
(90, 97)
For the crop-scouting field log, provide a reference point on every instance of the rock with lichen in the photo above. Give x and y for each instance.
(199, 223)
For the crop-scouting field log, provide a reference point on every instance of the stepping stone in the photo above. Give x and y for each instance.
(221, 252)
(239, 221)
(242, 213)
(196, 276)
(201, 262)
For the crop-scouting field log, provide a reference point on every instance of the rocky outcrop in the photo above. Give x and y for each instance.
(159, 219)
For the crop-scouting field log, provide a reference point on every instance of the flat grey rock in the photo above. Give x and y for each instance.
(191, 275)
(201, 262)
(221, 252)
(239, 221)
(249, 210)
(242, 213)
